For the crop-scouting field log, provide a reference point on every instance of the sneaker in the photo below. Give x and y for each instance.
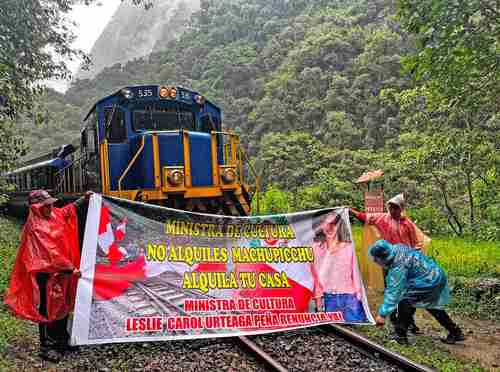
(50, 356)
(454, 337)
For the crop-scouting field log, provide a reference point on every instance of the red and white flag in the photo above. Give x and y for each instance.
(112, 280)
(107, 239)
(120, 230)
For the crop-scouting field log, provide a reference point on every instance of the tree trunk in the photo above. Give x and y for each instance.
(452, 217)
(471, 200)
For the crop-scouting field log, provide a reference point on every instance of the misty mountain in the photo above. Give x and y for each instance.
(135, 32)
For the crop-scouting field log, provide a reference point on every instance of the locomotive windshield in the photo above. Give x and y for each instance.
(164, 118)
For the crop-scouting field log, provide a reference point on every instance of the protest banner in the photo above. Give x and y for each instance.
(151, 273)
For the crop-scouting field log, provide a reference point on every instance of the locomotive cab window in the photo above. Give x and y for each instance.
(207, 124)
(114, 120)
(89, 140)
(172, 117)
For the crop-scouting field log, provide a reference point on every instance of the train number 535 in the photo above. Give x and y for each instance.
(145, 92)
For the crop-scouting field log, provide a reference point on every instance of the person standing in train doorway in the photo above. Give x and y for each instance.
(46, 270)
(395, 228)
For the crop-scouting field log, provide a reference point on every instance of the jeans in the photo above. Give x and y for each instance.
(348, 304)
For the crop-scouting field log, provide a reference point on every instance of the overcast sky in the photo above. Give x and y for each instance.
(91, 21)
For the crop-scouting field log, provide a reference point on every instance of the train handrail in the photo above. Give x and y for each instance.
(225, 133)
(60, 180)
(69, 165)
(254, 173)
(132, 161)
(239, 161)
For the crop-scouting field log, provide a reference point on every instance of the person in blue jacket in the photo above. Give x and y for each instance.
(413, 280)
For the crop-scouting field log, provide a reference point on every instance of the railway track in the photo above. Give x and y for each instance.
(329, 347)
(282, 351)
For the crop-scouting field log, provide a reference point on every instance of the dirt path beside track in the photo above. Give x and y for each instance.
(483, 337)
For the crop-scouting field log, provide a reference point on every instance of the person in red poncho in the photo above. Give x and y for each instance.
(395, 228)
(45, 273)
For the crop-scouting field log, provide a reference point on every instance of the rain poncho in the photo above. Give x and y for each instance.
(380, 226)
(48, 245)
(411, 276)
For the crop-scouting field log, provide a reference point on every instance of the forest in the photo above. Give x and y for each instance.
(320, 91)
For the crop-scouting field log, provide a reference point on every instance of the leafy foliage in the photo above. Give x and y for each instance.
(451, 115)
(457, 49)
(315, 89)
(10, 327)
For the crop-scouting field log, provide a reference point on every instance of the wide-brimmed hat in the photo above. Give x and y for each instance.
(40, 197)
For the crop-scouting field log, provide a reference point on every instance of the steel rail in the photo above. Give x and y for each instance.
(363, 344)
(366, 344)
(264, 357)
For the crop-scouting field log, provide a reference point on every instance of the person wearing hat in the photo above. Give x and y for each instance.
(413, 280)
(395, 228)
(45, 273)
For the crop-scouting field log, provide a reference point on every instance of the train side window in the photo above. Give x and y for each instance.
(35, 179)
(90, 140)
(115, 125)
(90, 166)
(42, 178)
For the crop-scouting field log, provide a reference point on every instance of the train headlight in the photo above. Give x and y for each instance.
(164, 93)
(229, 175)
(175, 177)
(127, 93)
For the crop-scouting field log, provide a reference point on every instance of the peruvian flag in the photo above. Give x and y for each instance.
(105, 235)
(120, 230)
(112, 280)
(107, 238)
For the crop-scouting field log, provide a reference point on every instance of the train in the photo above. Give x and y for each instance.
(150, 143)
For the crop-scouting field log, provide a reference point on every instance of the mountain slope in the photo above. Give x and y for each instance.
(135, 32)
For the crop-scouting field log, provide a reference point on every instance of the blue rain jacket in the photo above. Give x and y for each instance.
(411, 276)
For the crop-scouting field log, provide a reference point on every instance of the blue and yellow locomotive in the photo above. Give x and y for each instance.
(155, 144)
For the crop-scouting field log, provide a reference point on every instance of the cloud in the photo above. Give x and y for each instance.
(90, 22)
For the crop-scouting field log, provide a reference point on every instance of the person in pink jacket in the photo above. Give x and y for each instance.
(337, 284)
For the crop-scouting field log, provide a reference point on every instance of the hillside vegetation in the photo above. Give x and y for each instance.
(322, 91)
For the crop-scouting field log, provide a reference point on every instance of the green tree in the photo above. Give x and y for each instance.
(457, 46)
(35, 41)
(452, 150)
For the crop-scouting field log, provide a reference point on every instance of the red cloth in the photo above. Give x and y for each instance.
(48, 245)
(112, 280)
(395, 232)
